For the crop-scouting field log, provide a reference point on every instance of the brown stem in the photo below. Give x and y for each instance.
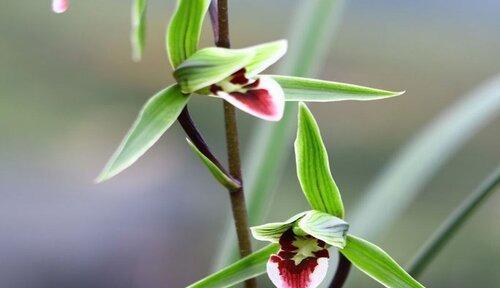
(342, 272)
(233, 148)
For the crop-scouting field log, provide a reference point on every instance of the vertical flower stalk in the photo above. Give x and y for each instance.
(238, 204)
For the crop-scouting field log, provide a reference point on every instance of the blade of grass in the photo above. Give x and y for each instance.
(452, 224)
(311, 34)
(413, 167)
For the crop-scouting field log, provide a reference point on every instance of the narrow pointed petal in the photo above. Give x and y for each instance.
(265, 55)
(60, 6)
(263, 99)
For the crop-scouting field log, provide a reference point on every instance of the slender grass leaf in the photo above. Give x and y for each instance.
(312, 90)
(325, 227)
(452, 224)
(244, 269)
(218, 174)
(265, 55)
(183, 32)
(272, 231)
(421, 158)
(377, 264)
(157, 115)
(311, 32)
(138, 32)
(209, 66)
(313, 167)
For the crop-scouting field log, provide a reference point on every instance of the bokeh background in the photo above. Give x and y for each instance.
(69, 92)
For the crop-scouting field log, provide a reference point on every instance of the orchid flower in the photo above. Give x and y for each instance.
(229, 74)
(232, 74)
(301, 246)
(304, 239)
(60, 6)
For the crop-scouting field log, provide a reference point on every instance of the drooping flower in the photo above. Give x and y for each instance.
(237, 82)
(229, 74)
(60, 6)
(302, 261)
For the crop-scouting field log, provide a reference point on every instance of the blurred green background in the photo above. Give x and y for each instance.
(69, 92)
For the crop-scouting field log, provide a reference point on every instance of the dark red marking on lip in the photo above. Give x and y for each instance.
(292, 275)
(258, 100)
(253, 85)
(239, 77)
(214, 89)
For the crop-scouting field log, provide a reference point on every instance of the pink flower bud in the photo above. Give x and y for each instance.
(60, 6)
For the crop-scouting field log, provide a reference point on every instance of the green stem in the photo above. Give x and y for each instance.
(451, 225)
(237, 196)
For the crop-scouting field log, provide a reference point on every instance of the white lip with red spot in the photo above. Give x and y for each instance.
(60, 6)
(302, 262)
(261, 97)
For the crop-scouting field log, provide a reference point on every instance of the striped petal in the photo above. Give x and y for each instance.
(60, 6)
(262, 98)
(302, 262)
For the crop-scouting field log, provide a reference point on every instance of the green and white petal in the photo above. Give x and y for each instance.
(272, 231)
(265, 55)
(184, 30)
(323, 226)
(377, 264)
(157, 115)
(313, 90)
(209, 66)
(313, 167)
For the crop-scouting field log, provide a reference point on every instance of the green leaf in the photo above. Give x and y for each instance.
(244, 269)
(453, 223)
(184, 30)
(210, 65)
(157, 115)
(218, 174)
(313, 90)
(313, 168)
(138, 33)
(325, 227)
(377, 264)
(265, 55)
(272, 231)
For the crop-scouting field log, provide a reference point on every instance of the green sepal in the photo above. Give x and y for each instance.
(272, 231)
(332, 230)
(313, 90)
(313, 168)
(138, 31)
(209, 66)
(183, 32)
(157, 115)
(218, 174)
(265, 55)
(377, 264)
(244, 269)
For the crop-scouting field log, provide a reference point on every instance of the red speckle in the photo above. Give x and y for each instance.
(239, 77)
(253, 85)
(214, 89)
(292, 275)
(295, 276)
